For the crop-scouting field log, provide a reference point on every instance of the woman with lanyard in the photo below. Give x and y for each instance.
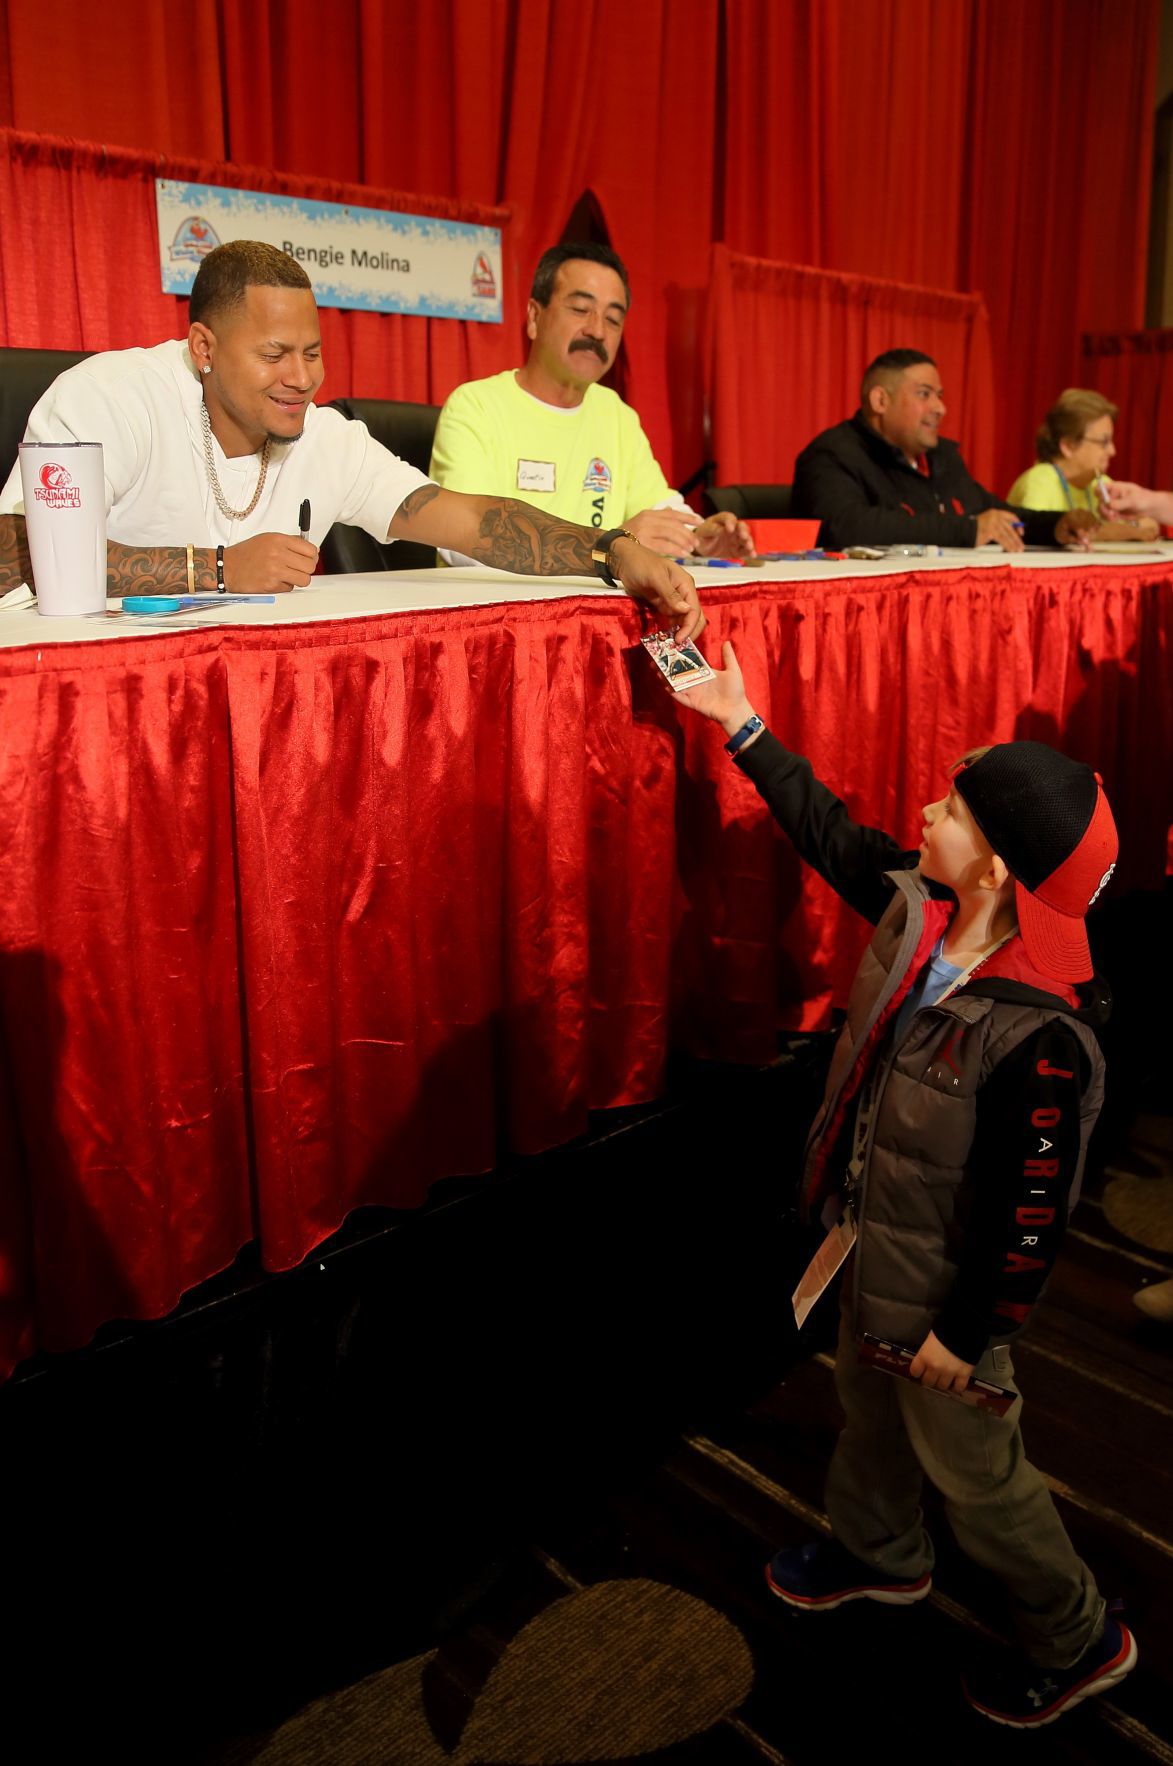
(1074, 445)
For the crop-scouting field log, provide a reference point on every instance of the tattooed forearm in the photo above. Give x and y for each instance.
(157, 570)
(499, 531)
(15, 563)
(512, 536)
(130, 570)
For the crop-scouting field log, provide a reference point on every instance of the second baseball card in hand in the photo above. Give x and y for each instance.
(681, 664)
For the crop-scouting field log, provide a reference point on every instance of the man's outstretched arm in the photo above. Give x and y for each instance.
(513, 536)
(269, 563)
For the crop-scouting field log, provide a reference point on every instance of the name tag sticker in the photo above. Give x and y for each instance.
(535, 475)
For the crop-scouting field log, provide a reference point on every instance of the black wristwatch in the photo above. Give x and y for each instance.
(601, 553)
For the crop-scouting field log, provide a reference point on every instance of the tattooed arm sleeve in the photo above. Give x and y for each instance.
(130, 570)
(511, 536)
(15, 564)
(495, 530)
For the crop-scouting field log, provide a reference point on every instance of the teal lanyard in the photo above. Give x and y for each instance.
(1064, 483)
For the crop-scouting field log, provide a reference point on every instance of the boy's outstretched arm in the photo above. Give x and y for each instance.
(1023, 1167)
(852, 858)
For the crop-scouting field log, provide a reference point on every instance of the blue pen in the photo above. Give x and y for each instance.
(711, 563)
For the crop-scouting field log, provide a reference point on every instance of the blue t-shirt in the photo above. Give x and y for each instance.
(934, 979)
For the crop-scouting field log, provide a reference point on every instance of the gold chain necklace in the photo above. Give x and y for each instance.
(209, 460)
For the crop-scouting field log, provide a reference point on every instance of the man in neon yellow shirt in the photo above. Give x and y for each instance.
(549, 435)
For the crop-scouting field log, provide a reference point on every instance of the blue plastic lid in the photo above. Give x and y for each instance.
(150, 604)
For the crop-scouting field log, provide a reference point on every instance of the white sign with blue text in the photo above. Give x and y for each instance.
(370, 258)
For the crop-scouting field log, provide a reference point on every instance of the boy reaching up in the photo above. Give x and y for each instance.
(952, 1137)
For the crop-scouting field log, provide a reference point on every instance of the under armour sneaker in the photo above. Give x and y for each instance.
(823, 1574)
(1025, 1696)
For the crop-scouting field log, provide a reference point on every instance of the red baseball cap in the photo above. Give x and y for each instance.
(1047, 818)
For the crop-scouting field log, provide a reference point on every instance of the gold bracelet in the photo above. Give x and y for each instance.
(191, 570)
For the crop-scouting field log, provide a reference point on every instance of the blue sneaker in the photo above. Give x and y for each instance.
(1025, 1696)
(823, 1574)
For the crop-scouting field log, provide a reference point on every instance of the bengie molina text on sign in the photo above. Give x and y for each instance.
(326, 256)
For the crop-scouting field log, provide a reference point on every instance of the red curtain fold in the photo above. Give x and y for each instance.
(822, 327)
(301, 918)
(91, 279)
(1135, 370)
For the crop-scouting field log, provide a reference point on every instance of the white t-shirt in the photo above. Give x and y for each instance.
(144, 408)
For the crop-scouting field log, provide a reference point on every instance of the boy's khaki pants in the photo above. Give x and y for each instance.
(896, 1435)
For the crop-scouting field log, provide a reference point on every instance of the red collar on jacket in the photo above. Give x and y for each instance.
(1011, 963)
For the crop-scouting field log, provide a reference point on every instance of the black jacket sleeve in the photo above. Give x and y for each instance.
(1038, 525)
(850, 857)
(1022, 1168)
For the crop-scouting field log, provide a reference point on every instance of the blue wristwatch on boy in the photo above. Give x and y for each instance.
(750, 727)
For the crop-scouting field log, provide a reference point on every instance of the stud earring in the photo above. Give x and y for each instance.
(207, 368)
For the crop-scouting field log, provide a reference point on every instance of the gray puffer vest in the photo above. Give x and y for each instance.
(912, 1200)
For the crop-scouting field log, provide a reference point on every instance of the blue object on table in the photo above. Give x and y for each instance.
(177, 603)
(793, 557)
(710, 563)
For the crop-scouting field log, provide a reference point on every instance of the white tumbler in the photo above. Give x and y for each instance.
(65, 516)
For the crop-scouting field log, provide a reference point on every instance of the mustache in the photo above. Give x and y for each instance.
(590, 343)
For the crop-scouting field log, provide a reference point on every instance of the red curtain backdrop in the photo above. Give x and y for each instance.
(960, 147)
(821, 326)
(1135, 370)
(294, 919)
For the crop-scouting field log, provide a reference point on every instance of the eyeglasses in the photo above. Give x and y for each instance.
(1098, 441)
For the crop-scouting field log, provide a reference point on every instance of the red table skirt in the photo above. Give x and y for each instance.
(298, 918)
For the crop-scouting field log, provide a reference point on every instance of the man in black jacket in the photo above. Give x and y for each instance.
(887, 478)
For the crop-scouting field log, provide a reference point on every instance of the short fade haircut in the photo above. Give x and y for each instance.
(886, 367)
(1068, 418)
(552, 261)
(227, 273)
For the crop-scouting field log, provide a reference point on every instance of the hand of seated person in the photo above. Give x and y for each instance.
(1137, 528)
(723, 536)
(1076, 527)
(936, 1368)
(997, 527)
(669, 591)
(269, 563)
(669, 531)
